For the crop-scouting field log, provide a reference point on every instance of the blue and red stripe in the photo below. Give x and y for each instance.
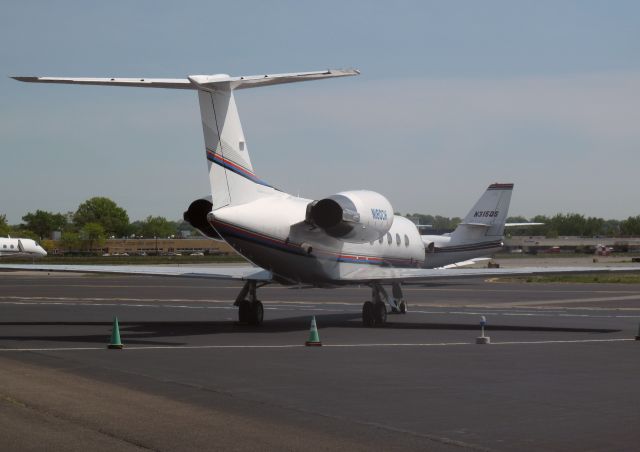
(232, 166)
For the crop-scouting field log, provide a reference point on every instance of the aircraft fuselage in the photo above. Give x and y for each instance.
(10, 247)
(271, 232)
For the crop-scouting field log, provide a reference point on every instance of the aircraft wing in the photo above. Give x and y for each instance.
(240, 272)
(466, 263)
(382, 274)
(361, 275)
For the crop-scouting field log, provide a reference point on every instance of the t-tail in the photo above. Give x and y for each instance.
(231, 174)
(486, 220)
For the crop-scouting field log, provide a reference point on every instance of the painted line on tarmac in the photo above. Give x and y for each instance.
(576, 341)
(523, 314)
(92, 301)
(571, 300)
(407, 288)
(299, 306)
(524, 306)
(446, 344)
(170, 306)
(287, 346)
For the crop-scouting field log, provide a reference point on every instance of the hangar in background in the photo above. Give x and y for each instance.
(156, 246)
(533, 244)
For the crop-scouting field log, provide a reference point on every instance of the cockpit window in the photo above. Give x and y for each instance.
(398, 239)
(389, 239)
(406, 240)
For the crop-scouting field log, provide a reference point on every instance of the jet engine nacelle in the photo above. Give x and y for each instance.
(356, 216)
(196, 216)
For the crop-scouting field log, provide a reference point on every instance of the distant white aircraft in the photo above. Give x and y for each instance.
(351, 237)
(10, 247)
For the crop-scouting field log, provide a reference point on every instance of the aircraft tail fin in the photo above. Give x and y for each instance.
(231, 174)
(486, 220)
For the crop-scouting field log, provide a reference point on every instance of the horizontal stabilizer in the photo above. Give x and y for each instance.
(515, 225)
(206, 82)
(478, 225)
(173, 83)
(506, 225)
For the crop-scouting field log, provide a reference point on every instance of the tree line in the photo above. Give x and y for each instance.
(90, 225)
(571, 224)
(99, 218)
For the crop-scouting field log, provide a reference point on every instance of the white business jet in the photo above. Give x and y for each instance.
(20, 248)
(351, 237)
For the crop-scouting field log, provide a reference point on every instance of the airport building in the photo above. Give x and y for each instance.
(525, 244)
(534, 244)
(165, 246)
(160, 246)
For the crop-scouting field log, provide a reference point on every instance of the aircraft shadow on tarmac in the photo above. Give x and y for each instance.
(161, 332)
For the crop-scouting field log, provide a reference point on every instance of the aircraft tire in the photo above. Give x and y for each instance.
(368, 317)
(380, 313)
(244, 309)
(256, 313)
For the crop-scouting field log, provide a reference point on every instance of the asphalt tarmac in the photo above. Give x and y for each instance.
(561, 372)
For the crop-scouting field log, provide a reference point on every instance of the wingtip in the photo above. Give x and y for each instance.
(350, 71)
(501, 186)
(24, 78)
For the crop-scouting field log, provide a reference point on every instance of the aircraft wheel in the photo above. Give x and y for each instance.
(380, 313)
(244, 309)
(403, 307)
(368, 318)
(256, 313)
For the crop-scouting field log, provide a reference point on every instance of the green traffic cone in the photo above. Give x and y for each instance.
(314, 338)
(115, 336)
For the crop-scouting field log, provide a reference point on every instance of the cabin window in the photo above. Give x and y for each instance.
(398, 239)
(389, 239)
(11, 246)
(406, 240)
(4, 246)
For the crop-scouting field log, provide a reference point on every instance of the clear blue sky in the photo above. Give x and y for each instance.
(453, 95)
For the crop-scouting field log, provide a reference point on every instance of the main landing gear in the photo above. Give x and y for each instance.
(374, 313)
(250, 309)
